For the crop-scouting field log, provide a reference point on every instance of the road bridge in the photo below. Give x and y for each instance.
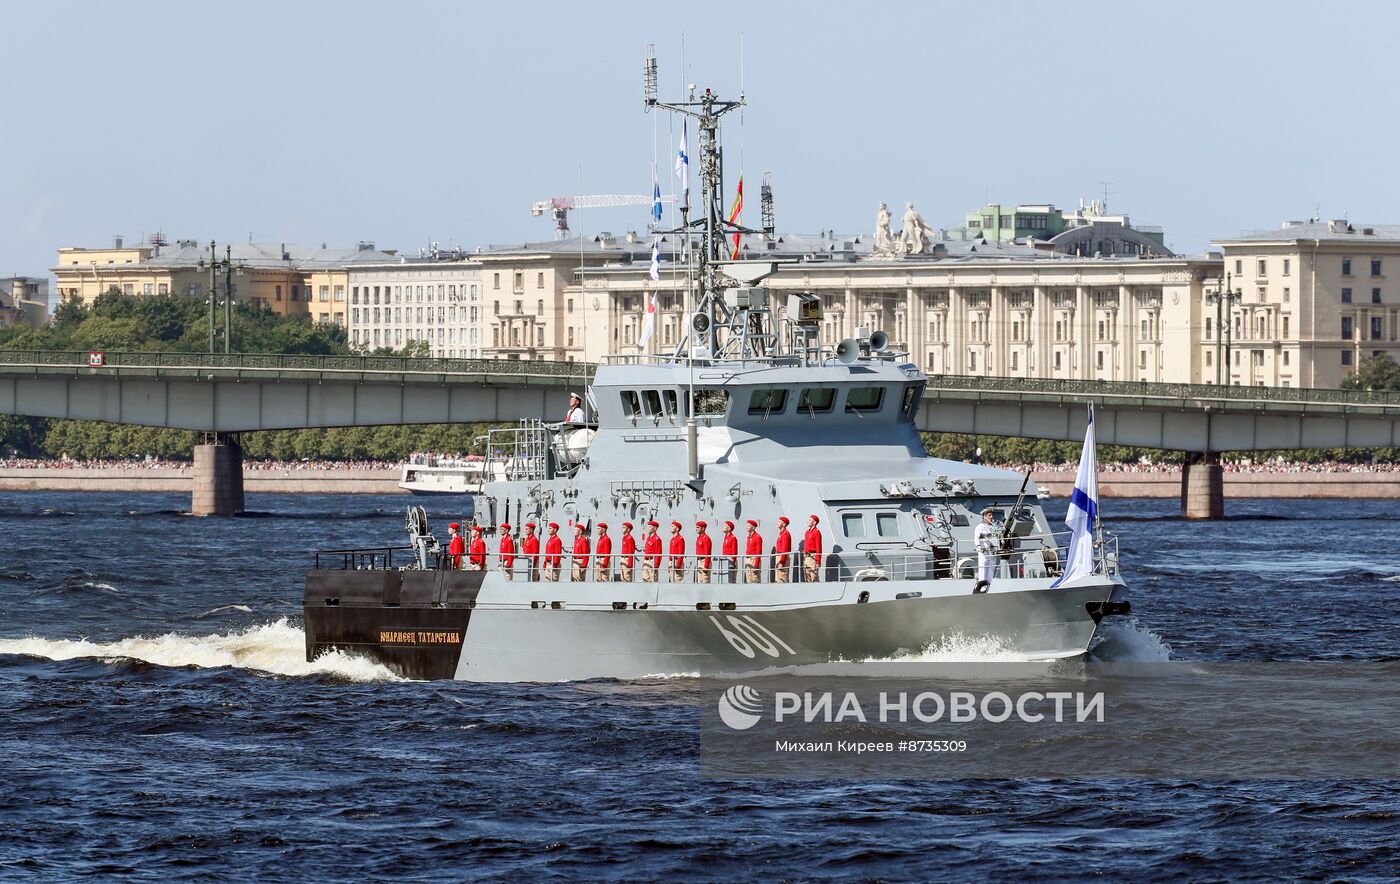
(223, 395)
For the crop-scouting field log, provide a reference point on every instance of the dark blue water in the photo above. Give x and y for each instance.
(159, 721)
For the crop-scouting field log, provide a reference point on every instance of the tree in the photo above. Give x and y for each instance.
(1374, 373)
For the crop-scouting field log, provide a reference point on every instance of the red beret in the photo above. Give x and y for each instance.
(529, 524)
(654, 524)
(454, 525)
(627, 524)
(579, 526)
(815, 519)
(476, 528)
(701, 524)
(602, 525)
(676, 525)
(728, 524)
(554, 525)
(505, 526)
(782, 520)
(753, 523)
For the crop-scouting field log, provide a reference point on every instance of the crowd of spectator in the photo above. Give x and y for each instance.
(1276, 465)
(157, 463)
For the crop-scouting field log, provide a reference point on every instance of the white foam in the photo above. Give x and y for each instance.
(97, 584)
(244, 608)
(278, 648)
(1128, 641)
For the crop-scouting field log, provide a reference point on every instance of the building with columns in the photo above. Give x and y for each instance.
(970, 308)
(1315, 297)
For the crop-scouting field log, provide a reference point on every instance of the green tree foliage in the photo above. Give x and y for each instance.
(1375, 373)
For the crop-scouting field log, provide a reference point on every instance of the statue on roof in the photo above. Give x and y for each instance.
(885, 245)
(915, 236)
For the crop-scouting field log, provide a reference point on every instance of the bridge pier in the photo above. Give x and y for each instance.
(1203, 487)
(218, 476)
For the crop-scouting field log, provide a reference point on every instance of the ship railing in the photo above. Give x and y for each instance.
(380, 558)
(1034, 555)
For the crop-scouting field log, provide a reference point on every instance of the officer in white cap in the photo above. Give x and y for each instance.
(987, 538)
(575, 414)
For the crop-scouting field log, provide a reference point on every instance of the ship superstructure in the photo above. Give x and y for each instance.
(751, 418)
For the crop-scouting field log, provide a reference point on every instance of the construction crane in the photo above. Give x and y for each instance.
(559, 206)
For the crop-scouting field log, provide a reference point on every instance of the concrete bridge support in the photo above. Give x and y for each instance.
(218, 476)
(1203, 487)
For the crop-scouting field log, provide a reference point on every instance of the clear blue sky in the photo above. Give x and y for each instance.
(406, 122)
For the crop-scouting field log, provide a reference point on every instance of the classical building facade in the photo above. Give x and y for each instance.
(1314, 299)
(436, 300)
(1004, 310)
(283, 278)
(24, 300)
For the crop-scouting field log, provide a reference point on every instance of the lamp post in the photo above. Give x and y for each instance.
(1224, 316)
(227, 265)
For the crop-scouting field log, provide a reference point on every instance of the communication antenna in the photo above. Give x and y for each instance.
(649, 76)
(765, 204)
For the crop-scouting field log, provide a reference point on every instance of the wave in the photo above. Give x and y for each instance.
(278, 648)
(222, 608)
(1127, 641)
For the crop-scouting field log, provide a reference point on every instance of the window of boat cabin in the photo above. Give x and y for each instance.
(911, 400)
(711, 403)
(816, 399)
(766, 402)
(669, 398)
(653, 402)
(631, 405)
(853, 524)
(864, 400)
(887, 524)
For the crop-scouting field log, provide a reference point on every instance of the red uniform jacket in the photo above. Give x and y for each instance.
(782, 546)
(507, 550)
(530, 546)
(553, 546)
(478, 556)
(604, 550)
(730, 546)
(677, 551)
(581, 550)
(629, 546)
(753, 548)
(652, 550)
(456, 548)
(702, 550)
(812, 542)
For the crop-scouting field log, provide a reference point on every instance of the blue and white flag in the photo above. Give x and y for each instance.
(655, 199)
(656, 257)
(683, 157)
(1083, 511)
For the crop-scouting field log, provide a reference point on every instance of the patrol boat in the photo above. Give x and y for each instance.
(753, 418)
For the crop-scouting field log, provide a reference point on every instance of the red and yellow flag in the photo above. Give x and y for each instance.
(734, 217)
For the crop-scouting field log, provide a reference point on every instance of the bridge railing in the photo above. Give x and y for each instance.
(80, 359)
(1150, 390)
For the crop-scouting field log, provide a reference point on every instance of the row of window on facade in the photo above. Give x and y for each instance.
(1377, 328)
(409, 314)
(517, 281)
(414, 294)
(381, 337)
(1261, 327)
(1263, 267)
(517, 334)
(1347, 297)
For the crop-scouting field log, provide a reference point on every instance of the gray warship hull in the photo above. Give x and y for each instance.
(476, 626)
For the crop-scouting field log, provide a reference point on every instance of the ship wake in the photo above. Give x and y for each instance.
(277, 648)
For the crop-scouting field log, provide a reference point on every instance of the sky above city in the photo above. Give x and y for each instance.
(414, 122)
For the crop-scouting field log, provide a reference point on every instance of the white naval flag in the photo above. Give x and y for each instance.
(648, 321)
(683, 157)
(656, 257)
(1083, 511)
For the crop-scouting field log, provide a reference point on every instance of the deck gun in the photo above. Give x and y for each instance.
(1010, 529)
(420, 537)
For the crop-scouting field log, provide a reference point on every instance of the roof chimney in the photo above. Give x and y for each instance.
(116, 242)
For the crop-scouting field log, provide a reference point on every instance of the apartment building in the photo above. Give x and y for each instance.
(436, 300)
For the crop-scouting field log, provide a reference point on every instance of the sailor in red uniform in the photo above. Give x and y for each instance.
(477, 560)
(456, 547)
(553, 552)
(677, 551)
(530, 548)
(753, 554)
(507, 550)
(629, 548)
(782, 549)
(812, 551)
(729, 551)
(703, 546)
(602, 570)
(651, 553)
(582, 552)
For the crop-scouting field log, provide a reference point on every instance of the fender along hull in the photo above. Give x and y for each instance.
(477, 627)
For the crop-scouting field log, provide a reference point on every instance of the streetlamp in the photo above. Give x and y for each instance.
(227, 265)
(1224, 317)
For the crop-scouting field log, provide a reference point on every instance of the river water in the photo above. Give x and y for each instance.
(160, 720)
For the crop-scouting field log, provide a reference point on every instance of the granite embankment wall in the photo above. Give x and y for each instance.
(320, 481)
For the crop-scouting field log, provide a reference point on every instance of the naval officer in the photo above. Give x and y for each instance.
(575, 413)
(987, 539)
